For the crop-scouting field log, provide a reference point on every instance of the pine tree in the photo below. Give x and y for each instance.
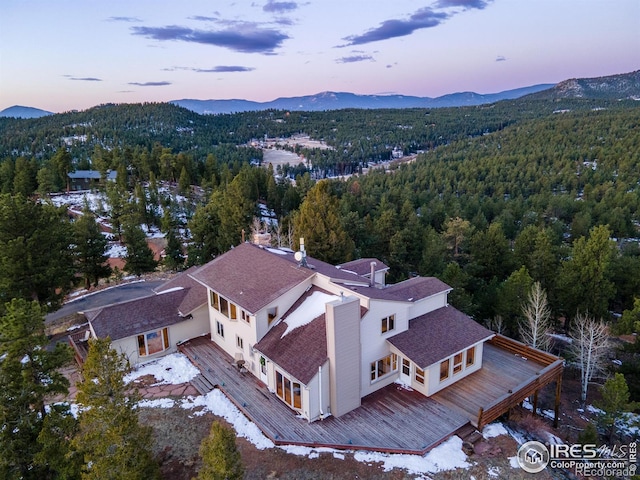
(28, 375)
(139, 258)
(586, 278)
(114, 444)
(174, 255)
(89, 248)
(318, 222)
(35, 257)
(615, 401)
(221, 459)
(57, 453)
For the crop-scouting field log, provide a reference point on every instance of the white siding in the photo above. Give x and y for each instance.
(193, 327)
(433, 381)
(374, 342)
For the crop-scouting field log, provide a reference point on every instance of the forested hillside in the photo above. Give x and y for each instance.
(496, 187)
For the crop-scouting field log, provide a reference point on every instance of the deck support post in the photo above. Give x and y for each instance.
(535, 402)
(556, 413)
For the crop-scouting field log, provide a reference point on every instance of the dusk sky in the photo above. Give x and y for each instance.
(73, 54)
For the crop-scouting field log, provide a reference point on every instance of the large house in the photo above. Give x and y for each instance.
(322, 337)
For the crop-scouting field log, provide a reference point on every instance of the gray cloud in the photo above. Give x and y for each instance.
(124, 19)
(244, 37)
(202, 18)
(355, 58)
(501, 58)
(479, 4)
(85, 79)
(224, 69)
(423, 18)
(279, 7)
(150, 84)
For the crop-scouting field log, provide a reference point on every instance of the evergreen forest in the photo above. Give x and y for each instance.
(491, 199)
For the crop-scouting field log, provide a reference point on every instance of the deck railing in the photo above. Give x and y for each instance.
(552, 370)
(78, 341)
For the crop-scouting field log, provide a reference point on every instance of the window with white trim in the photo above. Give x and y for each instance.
(471, 356)
(220, 329)
(444, 370)
(153, 342)
(419, 375)
(215, 300)
(383, 367)
(457, 363)
(239, 342)
(388, 324)
(288, 390)
(406, 366)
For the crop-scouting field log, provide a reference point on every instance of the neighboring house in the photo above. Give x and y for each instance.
(149, 327)
(88, 179)
(322, 337)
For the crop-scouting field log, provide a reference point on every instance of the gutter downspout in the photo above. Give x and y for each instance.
(320, 389)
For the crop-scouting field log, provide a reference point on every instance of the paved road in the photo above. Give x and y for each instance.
(117, 294)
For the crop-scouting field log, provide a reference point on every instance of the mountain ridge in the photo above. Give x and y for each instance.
(329, 100)
(620, 86)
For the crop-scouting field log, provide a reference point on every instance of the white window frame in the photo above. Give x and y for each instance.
(378, 367)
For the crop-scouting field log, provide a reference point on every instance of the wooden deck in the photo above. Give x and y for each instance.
(510, 373)
(391, 420)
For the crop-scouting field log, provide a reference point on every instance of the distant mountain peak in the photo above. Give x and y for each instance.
(19, 111)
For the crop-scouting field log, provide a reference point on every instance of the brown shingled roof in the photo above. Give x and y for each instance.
(362, 266)
(437, 335)
(300, 352)
(410, 290)
(137, 316)
(251, 276)
(196, 292)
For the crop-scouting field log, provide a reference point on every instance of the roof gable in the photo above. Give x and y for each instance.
(437, 335)
(196, 293)
(137, 316)
(251, 276)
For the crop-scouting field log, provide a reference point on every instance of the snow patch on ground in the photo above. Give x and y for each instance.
(629, 424)
(547, 413)
(172, 369)
(446, 456)
(156, 403)
(592, 409)
(494, 430)
(116, 250)
(218, 404)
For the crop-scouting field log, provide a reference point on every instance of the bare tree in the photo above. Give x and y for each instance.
(496, 324)
(590, 343)
(536, 324)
